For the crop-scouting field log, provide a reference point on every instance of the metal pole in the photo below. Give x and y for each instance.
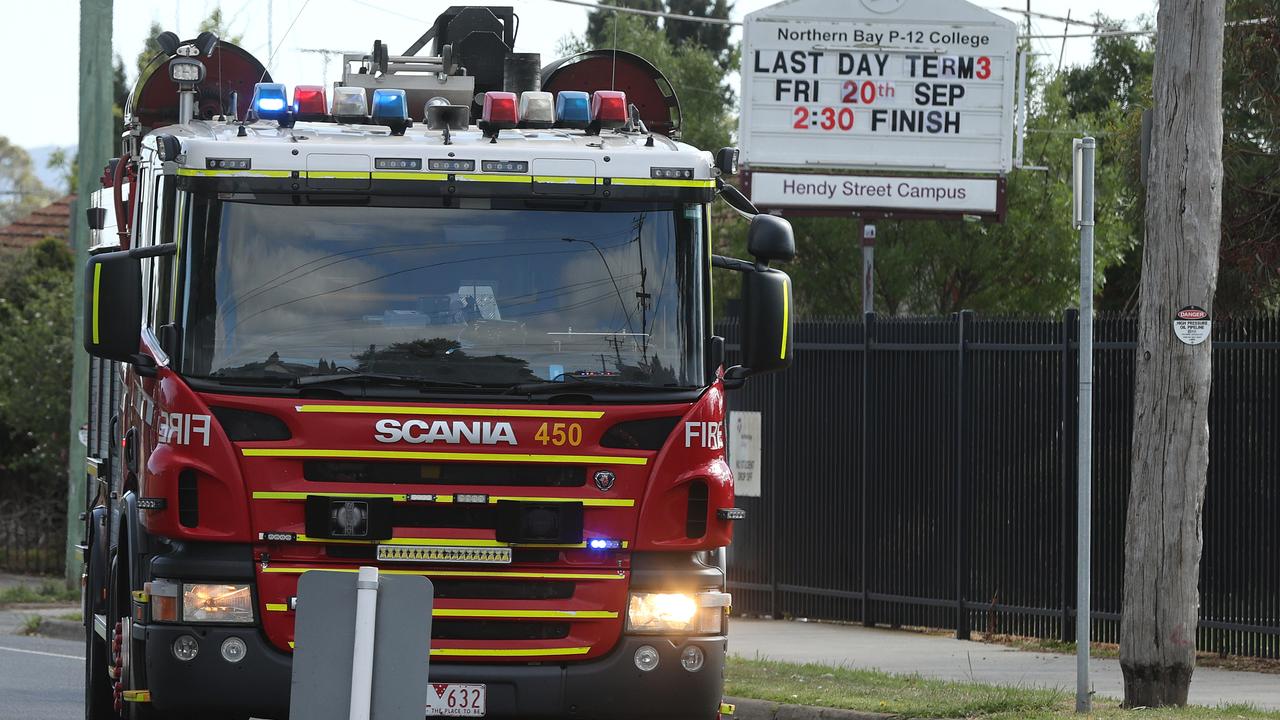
(94, 151)
(1085, 432)
(362, 653)
(868, 267)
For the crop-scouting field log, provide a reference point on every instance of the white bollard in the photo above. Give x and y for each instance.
(362, 656)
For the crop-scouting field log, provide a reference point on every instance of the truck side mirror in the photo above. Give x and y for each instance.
(766, 321)
(770, 238)
(113, 306)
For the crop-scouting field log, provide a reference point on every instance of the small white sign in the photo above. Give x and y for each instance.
(744, 452)
(1192, 325)
(859, 192)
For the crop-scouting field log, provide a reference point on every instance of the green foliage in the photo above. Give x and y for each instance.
(35, 372)
(46, 592)
(694, 73)
(1249, 272)
(21, 191)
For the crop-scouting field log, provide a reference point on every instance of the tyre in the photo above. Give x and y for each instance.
(98, 701)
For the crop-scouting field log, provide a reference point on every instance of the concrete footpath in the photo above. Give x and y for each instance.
(903, 652)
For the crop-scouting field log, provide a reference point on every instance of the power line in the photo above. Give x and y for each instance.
(737, 23)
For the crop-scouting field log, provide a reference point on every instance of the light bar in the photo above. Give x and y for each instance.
(537, 109)
(473, 498)
(609, 108)
(499, 111)
(505, 166)
(269, 101)
(443, 165)
(391, 108)
(604, 544)
(309, 102)
(573, 109)
(671, 173)
(435, 553)
(350, 105)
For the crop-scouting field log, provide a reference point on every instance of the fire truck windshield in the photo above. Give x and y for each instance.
(495, 297)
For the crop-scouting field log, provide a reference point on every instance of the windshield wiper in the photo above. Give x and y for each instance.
(572, 384)
(381, 378)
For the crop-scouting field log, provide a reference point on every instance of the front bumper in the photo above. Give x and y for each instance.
(611, 687)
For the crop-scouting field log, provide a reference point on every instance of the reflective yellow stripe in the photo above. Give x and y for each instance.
(97, 283)
(411, 455)
(507, 652)
(786, 317)
(564, 180)
(479, 613)
(438, 177)
(495, 178)
(277, 607)
(336, 174)
(141, 596)
(451, 411)
(303, 495)
(237, 173)
(143, 696)
(587, 502)
(460, 573)
(489, 652)
(655, 182)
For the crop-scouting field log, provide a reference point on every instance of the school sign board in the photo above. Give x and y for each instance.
(878, 85)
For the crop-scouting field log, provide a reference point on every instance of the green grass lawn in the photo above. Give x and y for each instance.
(47, 592)
(916, 697)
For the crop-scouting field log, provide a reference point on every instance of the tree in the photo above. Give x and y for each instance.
(20, 188)
(1160, 608)
(705, 99)
(35, 371)
(711, 37)
(600, 36)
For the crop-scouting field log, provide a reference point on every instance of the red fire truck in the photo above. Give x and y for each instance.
(450, 317)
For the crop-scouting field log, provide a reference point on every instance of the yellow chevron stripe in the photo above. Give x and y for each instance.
(464, 456)
(654, 182)
(451, 411)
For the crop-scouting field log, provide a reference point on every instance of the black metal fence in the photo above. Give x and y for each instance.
(923, 472)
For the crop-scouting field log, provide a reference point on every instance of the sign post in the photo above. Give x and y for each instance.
(868, 268)
(1082, 173)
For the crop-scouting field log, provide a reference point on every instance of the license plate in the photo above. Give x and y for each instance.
(455, 700)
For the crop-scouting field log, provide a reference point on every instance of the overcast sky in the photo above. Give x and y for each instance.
(39, 49)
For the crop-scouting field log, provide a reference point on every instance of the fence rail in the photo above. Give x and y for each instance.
(923, 472)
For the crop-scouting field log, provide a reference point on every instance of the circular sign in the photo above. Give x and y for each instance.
(1192, 325)
(882, 6)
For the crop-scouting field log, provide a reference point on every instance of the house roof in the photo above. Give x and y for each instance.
(52, 220)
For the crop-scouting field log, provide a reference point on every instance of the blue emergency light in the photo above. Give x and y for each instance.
(573, 109)
(270, 101)
(391, 108)
(604, 544)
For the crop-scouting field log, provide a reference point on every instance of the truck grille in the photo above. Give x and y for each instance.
(418, 473)
(504, 630)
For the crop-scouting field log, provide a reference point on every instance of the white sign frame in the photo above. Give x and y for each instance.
(897, 194)
(745, 440)
(766, 141)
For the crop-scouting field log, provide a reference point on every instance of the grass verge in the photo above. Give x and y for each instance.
(46, 592)
(915, 697)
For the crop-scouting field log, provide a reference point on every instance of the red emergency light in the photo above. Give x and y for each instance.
(500, 111)
(609, 108)
(309, 102)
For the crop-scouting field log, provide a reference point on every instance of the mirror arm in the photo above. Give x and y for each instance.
(144, 365)
(734, 264)
(734, 198)
(735, 377)
(151, 251)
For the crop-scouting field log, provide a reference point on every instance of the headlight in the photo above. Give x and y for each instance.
(676, 613)
(216, 603)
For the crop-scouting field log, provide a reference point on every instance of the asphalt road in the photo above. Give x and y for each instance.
(40, 678)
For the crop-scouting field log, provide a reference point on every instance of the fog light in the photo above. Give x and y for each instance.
(234, 649)
(185, 648)
(691, 658)
(647, 658)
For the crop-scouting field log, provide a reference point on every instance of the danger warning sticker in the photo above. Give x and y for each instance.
(1192, 325)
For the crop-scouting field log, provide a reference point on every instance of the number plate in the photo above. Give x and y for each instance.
(455, 700)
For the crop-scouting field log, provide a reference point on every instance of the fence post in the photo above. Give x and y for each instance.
(775, 603)
(1067, 493)
(961, 503)
(868, 342)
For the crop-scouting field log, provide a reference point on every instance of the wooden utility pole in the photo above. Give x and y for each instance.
(93, 152)
(1171, 404)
